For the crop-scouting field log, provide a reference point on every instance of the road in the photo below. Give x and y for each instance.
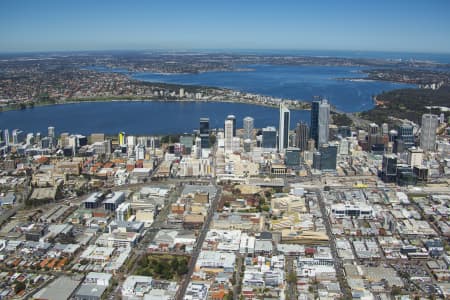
(198, 246)
(340, 274)
(291, 287)
(237, 279)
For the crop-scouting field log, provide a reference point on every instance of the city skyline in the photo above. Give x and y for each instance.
(410, 26)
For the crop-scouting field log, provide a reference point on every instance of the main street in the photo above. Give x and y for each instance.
(345, 289)
(198, 245)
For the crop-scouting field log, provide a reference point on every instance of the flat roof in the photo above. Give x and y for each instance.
(61, 288)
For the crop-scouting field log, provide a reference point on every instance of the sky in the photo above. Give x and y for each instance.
(378, 25)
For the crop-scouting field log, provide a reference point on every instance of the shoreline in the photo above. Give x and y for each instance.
(304, 105)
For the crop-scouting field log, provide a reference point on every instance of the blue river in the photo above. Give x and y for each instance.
(289, 82)
(138, 117)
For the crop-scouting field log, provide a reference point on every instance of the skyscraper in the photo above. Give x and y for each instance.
(428, 132)
(283, 129)
(248, 127)
(328, 154)
(51, 132)
(314, 128)
(320, 121)
(269, 137)
(6, 136)
(406, 135)
(18, 136)
(301, 136)
(324, 122)
(228, 135)
(374, 136)
(204, 132)
(389, 168)
(233, 119)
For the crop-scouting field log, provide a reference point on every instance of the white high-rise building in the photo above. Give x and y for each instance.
(324, 122)
(228, 135)
(283, 129)
(415, 156)
(198, 147)
(248, 127)
(428, 132)
(6, 136)
(140, 152)
(51, 132)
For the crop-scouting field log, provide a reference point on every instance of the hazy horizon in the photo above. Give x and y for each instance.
(382, 26)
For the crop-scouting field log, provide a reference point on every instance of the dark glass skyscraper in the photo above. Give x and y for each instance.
(320, 122)
(204, 132)
(314, 128)
(283, 130)
(405, 133)
(302, 136)
(269, 137)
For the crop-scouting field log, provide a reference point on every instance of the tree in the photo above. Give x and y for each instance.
(20, 286)
(292, 278)
(174, 263)
(182, 267)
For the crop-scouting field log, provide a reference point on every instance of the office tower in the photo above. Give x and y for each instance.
(233, 119)
(131, 141)
(64, 140)
(405, 134)
(302, 136)
(140, 152)
(51, 132)
(328, 157)
(248, 127)
(373, 134)
(30, 139)
(292, 157)
(393, 134)
(97, 137)
(18, 136)
(314, 128)
(121, 138)
(316, 160)
(37, 139)
(283, 129)
(247, 145)
(311, 145)
(187, 141)
(181, 93)
(198, 147)
(45, 142)
(415, 156)
(2, 137)
(428, 132)
(389, 168)
(384, 129)
(204, 132)
(344, 131)
(228, 135)
(269, 137)
(344, 146)
(320, 121)
(324, 122)
(6, 136)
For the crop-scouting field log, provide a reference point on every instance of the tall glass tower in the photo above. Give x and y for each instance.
(283, 129)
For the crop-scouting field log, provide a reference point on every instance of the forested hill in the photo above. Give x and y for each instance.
(408, 104)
